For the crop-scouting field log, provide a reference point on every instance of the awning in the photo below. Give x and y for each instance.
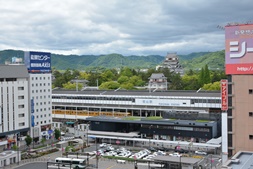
(70, 122)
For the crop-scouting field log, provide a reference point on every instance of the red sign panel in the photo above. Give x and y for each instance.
(239, 49)
(224, 95)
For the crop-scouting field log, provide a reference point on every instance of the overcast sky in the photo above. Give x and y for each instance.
(128, 27)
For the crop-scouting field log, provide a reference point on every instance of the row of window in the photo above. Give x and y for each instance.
(182, 128)
(37, 110)
(205, 101)
(37, 97)
(41, 122)
(94, 98)
(45, 115)
(40, 78)
(8, 79)
(44, 84)
(49, 90)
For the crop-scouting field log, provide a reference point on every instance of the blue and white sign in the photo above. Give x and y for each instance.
(32, 121)
(38, 61)
(32, 106)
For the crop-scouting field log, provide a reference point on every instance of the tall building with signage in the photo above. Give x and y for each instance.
(14, 106)
(39, 68)
(239, 68)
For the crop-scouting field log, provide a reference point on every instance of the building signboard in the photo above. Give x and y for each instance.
(224, 95)
(239, 49)
(38, 62)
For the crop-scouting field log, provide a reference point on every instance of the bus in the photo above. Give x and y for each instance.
(72, 162)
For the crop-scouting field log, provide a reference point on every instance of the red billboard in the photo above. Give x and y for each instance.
(224, 95)
(239, 49)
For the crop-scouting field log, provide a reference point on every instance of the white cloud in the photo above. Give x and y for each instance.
(112, 26)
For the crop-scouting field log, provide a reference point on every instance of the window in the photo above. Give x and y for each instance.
(250, 114)
(21, 88)
(21, 97)
(251, 137)
(21, 124)
(21, 106)
(21, 115)
(250, 91)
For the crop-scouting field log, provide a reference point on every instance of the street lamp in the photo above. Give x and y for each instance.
(149, 134)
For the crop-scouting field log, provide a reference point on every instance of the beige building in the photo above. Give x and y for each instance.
(240, 114)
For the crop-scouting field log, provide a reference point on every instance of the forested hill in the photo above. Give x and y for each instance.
(84, 62)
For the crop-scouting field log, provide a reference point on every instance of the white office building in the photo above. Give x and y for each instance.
(40, 93)
(14, 106)
(40, 80)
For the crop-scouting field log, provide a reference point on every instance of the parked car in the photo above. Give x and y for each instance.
(175, 155)
(162, 148)
(102, 145)
(152, 149)
(181, 150)
(201, 152)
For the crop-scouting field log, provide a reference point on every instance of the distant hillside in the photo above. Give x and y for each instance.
(214, 60)
(62, 62)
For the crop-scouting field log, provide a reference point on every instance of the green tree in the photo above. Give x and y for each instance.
(107, 76)
(212, 86)
(28, 140)
(127, 86)
(94, 79)
(70, 85)
(57, 134)
(190, 82)
(207, 77)
(201, 77)
(84, 75)
(15, 147)
(43, 140)
(123, 79)
(109, 85)
(136, 81)
(126, 72)
(190, 72)
(176, 82)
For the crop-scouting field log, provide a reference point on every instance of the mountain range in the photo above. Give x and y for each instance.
(194, 61)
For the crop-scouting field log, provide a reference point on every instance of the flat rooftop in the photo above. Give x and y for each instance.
(245, 160)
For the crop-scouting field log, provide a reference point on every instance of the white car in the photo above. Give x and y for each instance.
(201, 152)
(175, 155)
(102, 145)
